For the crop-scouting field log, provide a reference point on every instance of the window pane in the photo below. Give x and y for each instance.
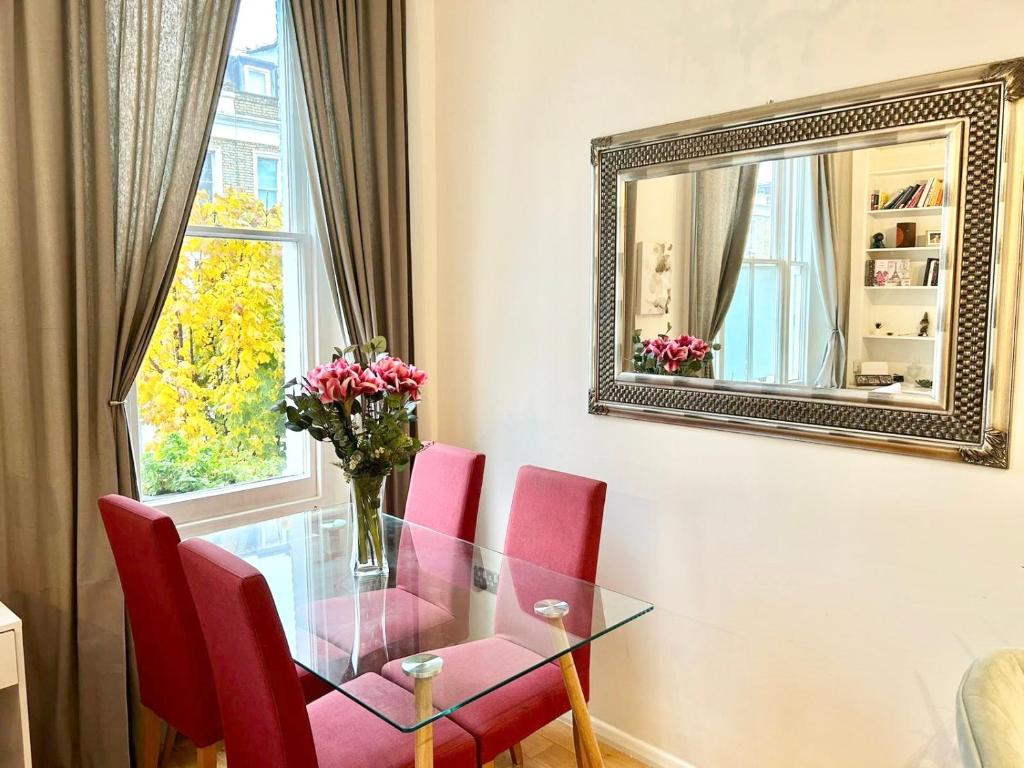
(214, 368)
(765, 341)
(248, 123)
(206, 177)
(736, 345)
(266, 181)
(796, 356)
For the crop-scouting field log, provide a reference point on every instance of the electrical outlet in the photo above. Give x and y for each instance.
(485, 579)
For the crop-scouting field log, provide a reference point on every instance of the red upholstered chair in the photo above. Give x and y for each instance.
(175, 681)
(266, 722)
(430, 603)
(555, 522)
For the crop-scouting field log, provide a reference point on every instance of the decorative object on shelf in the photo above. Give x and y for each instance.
(877, 240)
(933, 237)
(362, 407)
(873, 379)
(654, 265)
(873, 200)
(877, 331)
(922, 329)
(906, 234)
(892, 273)
(682, 356)
(931, 272)
(923, 383)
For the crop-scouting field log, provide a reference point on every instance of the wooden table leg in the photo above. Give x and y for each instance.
(423, 668)
(553, 611)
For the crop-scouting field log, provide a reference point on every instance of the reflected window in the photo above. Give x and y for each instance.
(766, 335)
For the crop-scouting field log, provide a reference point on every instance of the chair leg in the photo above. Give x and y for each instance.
(168, 748)
(516, 753)
(151, 727)
(206, 757)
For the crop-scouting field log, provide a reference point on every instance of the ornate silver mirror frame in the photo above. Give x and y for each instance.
(973, 422)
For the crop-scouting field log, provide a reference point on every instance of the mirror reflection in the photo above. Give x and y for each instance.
(826, 271)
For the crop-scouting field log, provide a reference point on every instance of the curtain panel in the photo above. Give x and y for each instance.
(352, 55)
(110, 106)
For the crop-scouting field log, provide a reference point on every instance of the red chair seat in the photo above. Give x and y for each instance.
(505, 716)
(408, 617)
(346, 734)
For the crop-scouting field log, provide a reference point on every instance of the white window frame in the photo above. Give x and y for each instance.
(321, 483)
(263, 72)
(256, 157)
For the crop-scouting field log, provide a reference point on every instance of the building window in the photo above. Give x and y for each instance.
(266, 180)
(766, 333)
(240, 319)
(208, 183)
(256, 80)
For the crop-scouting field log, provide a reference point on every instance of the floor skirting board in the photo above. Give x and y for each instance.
(632, 746)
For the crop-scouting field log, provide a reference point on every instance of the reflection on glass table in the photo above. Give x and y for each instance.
(513, 616)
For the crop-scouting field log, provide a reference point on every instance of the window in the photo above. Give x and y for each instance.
(256, 80)
(765, 336)
(209, 177)
(266, 180)
(242, 315)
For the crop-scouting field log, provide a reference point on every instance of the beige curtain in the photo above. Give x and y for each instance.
(724, 202)
(99, 151)
(352, 54)
(831, 177)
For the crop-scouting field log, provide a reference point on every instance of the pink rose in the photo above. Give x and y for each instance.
(400, 377)
(673, 355)
(686, 340)
(655, 346)
(341, 380)
(698, 348)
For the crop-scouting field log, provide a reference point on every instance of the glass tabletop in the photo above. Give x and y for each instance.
(489, 617)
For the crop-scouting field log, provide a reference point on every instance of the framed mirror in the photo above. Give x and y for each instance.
(841, 268)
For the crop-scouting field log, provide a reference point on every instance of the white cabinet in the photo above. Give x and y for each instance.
(14, 744)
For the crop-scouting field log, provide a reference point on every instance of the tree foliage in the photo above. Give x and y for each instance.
(216, 362)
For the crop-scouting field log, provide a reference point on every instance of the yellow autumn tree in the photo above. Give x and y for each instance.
(216, 363)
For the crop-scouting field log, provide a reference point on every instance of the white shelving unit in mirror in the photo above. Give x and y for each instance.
(899, 242)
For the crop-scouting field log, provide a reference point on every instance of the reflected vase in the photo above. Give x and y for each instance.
(369, 557)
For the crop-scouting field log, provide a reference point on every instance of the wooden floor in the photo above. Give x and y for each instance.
(550, 747)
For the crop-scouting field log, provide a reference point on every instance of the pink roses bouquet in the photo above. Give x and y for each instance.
(361, 406)
(681, 356)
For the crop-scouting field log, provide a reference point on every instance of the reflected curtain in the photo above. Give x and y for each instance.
(724, 202)
(100, 148)
(352, 54)
(830, 197)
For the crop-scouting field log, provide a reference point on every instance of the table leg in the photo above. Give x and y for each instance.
(425, 735)
(422, 668)
(553, 611)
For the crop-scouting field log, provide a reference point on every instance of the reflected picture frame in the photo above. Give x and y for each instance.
(970, 422)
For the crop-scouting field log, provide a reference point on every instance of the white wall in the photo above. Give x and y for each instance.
(815, 605)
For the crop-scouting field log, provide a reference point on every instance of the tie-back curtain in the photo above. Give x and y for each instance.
(724, 203)
(110, 104)
(831, 200)
(352, 54)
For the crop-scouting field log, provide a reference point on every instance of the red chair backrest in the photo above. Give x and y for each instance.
(261, 703)
(444, 490)
(555, 522)
(175, 679)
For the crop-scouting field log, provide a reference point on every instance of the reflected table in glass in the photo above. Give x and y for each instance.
(440, 592)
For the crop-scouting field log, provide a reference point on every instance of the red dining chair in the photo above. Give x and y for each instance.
(555, 522)
(430, 601)
(175, 681)
(266, 723)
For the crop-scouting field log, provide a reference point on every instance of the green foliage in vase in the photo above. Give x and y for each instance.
(684, 355)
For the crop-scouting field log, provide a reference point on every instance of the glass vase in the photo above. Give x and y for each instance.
(369, 558)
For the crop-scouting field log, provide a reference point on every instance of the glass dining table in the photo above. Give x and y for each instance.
(510, 615)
